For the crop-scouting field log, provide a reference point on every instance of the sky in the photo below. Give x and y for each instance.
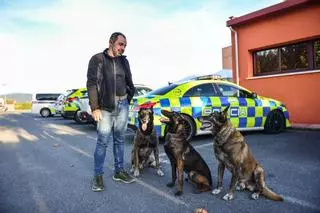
(45, 45)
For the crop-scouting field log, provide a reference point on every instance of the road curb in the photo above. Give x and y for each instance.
(305, 126)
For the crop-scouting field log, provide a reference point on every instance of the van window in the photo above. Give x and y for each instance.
(47, 96)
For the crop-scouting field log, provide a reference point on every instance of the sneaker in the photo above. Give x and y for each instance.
(97, 183)
(123, 176)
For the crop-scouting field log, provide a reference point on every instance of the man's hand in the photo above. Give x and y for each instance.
(96, 115)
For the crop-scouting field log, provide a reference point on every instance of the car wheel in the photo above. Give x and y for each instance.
(45, 112)
(275, 122)
(78, 118)
(190, 127)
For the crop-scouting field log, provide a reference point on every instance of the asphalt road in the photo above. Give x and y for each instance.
(46, 165)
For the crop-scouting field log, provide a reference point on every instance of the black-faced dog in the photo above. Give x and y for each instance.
(232, 152)
(183, 157)
(145, 150)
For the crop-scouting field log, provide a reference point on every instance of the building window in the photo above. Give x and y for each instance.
(267, 60)
(317, 54)
(294, 57)
(297, 57)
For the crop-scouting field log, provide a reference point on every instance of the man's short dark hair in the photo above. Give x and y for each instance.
(114, 37)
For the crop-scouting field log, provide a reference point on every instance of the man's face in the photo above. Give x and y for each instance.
(119, 46)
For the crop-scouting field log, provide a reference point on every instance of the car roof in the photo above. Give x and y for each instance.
(142, 86)
(191, 83)
(201, 81)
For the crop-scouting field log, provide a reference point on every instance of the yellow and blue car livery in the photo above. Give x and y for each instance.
(52, 110)
(247, 110)
(72, 104)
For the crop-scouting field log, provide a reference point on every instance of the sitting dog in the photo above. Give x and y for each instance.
(145, 150)
(183, 157)
(232, 152)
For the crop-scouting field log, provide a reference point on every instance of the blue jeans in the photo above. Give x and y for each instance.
(112, 126)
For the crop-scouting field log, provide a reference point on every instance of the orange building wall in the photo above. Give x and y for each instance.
(300, 93)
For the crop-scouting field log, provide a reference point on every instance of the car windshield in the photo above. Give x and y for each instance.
(84, 93)
(163, 90)
(141, 91)
(70, 91)
(61, 97)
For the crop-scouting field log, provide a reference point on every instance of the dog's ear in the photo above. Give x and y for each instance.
(167, 113)
(225, 111)
(177, 114)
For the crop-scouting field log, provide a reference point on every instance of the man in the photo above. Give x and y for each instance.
(110, 89)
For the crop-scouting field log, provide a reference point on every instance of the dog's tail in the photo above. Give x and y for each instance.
(201, 181)
(268, 193)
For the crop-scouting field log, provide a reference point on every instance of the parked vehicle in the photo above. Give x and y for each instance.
(194, 98)
(58, 105)
(141, 89)
(3, 106)
(43, 104)
(71, 104)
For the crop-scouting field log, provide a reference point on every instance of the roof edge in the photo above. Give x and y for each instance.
(266, 11)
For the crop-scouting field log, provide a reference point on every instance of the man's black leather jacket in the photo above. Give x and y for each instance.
(101, 78)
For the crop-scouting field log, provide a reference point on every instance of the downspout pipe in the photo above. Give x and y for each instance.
(237, 56)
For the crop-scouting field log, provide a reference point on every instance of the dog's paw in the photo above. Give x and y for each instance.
(136, 173)
(216, 191)
(153, 164)
(178, 193)
(160, 172)
(251, 188)
(228, 196)
(170, 184)
(255, 196)
(240, 186)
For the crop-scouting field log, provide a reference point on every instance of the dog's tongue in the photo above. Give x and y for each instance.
(144, 127)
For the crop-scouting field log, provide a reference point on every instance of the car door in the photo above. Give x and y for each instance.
(200, 99)
(242, 110)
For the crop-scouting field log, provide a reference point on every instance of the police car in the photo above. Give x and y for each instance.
(194, 98)
(71, 105)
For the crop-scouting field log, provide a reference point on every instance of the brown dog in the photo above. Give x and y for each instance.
(232, 152)
(183, 157)
(145, 150)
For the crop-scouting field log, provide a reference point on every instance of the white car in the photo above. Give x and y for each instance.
(43, 103)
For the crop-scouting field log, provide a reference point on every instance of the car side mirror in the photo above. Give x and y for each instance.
(254, 95)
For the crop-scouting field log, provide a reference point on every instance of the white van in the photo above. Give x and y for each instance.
(43, 103)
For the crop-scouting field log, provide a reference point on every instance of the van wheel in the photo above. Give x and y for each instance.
(190, 127)
(275, 122)
(45, 112)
